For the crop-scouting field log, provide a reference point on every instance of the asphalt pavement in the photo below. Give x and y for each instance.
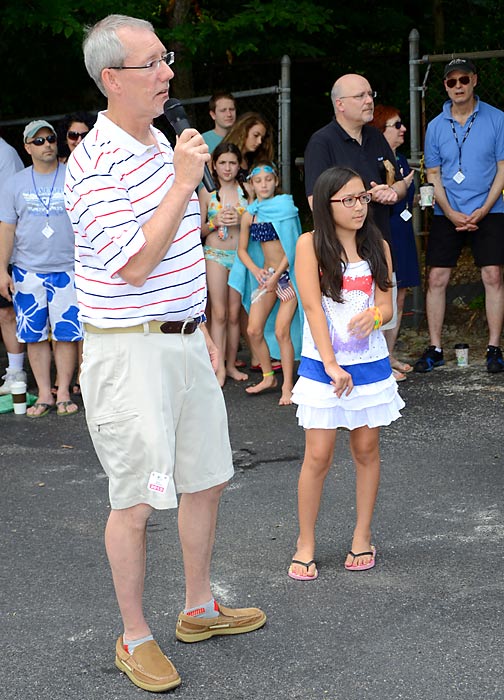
(425, 624)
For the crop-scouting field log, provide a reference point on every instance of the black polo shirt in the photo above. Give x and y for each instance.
(332, 145)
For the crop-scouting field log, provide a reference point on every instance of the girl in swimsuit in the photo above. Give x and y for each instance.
(269, 230)
(221, 212)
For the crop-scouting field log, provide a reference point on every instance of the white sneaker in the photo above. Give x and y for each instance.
(10, 377)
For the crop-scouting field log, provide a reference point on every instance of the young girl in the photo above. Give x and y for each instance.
(343, 269)
(269, 232)
(221, 213)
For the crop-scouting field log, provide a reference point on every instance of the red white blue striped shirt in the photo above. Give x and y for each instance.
(113, 185)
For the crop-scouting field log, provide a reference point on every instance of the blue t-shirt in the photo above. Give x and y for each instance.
(212, 139)
(32, 208)
(482, 148)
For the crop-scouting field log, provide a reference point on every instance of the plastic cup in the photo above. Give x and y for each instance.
(462, 354)
(18, 391)
(426, 195)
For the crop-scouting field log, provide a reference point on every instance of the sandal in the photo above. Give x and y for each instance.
(303, 577)
(40, 404)
(362, 567)
(63, 406)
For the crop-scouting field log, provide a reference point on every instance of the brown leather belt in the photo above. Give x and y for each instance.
(183, 327)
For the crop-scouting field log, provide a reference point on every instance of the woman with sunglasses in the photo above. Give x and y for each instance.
(388, 120)
(71, 130)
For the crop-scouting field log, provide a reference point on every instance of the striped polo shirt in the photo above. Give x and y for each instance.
(113, 185)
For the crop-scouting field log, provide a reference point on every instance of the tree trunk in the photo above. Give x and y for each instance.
(439, 25)
(178, 12)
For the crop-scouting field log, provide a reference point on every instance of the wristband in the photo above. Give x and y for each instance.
(378, 317)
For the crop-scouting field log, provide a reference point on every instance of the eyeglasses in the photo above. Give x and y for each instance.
(361, 96)
(76, 135)
(40, 140)
(167, 58)
(463, 80)
(398, 124)
(351, 201)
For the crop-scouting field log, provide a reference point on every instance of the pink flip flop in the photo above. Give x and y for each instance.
(301, 577)
(362, 567)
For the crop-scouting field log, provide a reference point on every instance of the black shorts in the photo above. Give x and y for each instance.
(445, 243)
(5, 303)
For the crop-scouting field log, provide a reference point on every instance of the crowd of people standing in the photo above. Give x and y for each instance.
(112, 238)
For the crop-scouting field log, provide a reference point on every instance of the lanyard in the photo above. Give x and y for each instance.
(459, 145)
(48, 205)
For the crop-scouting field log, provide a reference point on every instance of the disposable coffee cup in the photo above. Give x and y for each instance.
(426, 195)
(18, 391)
(462, 354)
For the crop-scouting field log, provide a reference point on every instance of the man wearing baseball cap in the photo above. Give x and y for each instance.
(464, 158)
(37, 238)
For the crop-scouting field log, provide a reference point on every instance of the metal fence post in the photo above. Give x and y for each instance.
(284, 136)
(415, 145)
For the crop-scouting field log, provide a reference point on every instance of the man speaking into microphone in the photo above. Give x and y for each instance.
(154, 408)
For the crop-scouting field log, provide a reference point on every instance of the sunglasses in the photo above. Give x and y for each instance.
(463, 80)
(398, 124)
(76, 135)
(40, 140)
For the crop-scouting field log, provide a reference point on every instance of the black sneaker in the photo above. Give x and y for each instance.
(494, 361)
(431, 358)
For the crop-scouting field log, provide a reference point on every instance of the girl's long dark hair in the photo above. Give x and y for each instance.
(329, 252)
(220, 149)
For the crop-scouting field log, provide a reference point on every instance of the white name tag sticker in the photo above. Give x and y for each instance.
(158, 482)
(459, 177)
(405, 215)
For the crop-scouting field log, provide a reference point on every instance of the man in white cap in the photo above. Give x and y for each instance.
(37, 238)
(10, 164)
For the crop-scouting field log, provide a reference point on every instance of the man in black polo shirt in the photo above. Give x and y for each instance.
(350, 142)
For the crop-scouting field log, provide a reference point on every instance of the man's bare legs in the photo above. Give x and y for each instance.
(125, 542)
(491, 277)
(197, 520)
(126, 545)
(435, 302)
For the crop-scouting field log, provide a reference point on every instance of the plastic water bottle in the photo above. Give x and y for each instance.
(223, 230)
(261, 291)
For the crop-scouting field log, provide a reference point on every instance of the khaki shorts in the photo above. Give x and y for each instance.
(156, 415)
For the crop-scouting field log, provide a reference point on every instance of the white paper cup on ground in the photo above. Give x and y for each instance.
(18, 391)
(462, 354)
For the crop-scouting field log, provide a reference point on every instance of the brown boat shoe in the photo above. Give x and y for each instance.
(229, 621)
(147, 667)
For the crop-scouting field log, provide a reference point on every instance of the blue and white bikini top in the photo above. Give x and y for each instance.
(262, 232)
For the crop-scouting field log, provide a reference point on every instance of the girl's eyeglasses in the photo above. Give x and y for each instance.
(350, 201)
(398, 124)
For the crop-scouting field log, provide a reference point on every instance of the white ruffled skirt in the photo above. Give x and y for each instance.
(374, 405)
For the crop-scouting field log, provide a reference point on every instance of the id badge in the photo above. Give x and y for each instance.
(47, 231)
(459, 177)
(405, 215)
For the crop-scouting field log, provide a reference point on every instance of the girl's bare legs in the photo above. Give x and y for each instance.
(282, 333)
(258, 314)
(217, 276)
(365, 448)
(233, 335)
(319, 451)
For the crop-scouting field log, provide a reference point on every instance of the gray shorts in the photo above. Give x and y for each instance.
(156, 415)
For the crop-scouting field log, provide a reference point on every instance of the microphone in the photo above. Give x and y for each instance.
(175, 114)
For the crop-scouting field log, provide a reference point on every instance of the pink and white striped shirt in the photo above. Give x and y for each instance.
(113, 185)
